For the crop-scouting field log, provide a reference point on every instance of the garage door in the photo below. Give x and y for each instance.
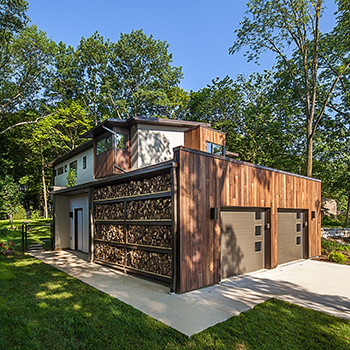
(242, 242)
(289, 236)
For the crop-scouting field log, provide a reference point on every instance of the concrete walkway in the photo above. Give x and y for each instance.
(313, 284)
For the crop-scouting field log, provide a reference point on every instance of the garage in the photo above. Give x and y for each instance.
(242, 241)
(289, 236)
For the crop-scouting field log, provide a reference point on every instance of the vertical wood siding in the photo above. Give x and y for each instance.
(206, 181)
(197, 138)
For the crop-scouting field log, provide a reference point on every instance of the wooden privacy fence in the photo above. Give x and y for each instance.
(133, 226)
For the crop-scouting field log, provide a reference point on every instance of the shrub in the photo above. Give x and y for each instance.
(4, 232)
(71, 178)
(20, 213)
(337, 257)
(35, 215)
(327, 244)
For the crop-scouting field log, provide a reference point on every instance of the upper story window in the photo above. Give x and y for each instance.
(84, 162)
(106, 143)
(73, 165)
(215, 148)
(60, 170)
(120, 141)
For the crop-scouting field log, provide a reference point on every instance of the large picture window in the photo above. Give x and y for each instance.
(107, 143)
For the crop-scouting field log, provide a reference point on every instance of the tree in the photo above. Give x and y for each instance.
(274, 26)
(9, 197)
(258, 121)
(23, 76)
(141, 80)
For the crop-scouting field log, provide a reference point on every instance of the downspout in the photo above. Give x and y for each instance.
(114, 149)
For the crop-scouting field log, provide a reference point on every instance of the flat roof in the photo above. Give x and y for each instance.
(143, 120)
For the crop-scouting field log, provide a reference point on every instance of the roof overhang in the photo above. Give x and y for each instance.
(109, 123)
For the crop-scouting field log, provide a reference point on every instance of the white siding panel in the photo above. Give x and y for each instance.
(83, 175)
(155, 144)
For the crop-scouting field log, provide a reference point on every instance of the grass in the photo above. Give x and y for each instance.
(44, 308)
(37, 234)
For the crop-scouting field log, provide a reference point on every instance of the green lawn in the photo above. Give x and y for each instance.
(36, 234)
(43, 308)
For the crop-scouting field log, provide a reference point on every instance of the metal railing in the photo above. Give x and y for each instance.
(24, 231)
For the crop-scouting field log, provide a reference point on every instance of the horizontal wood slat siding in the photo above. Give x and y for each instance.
(197, 138)
(205, 182)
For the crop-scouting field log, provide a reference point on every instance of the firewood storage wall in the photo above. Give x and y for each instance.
(133, 226)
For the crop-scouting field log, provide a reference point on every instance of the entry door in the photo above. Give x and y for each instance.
(242, 241)
(78, 229)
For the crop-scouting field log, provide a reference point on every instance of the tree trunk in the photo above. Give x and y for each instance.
(46, 214)
(309, 149)
(347, 211)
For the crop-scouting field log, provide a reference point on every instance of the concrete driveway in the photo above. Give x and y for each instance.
(312, 284)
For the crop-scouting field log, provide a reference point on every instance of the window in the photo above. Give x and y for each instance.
(65, 168)
(258, 230)
(258, 215)
(100, 146)
(215, 149)
(298, 215)
(60, 170)
(73, 165)
(84, 162)
(258, 247)
(107, 143)
(298, 240)
(120, 141)
(298, 227)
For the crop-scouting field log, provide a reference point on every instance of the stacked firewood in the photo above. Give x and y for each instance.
(150, 209)
(109, 211)
(108, 253)
(134, 188)
(114, 233)
(157, 235)
(150, 261)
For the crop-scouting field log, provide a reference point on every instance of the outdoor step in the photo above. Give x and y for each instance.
(36, 247)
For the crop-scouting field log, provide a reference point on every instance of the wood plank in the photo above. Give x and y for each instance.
(207, 182)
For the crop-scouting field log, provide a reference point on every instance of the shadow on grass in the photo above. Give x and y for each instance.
(43, 308)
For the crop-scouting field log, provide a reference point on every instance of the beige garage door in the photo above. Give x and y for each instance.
(242, 242)
(289, 236)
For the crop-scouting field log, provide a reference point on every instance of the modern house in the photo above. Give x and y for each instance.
(163, 199)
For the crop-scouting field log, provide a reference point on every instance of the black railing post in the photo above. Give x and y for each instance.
(23, 238)
(26, 237)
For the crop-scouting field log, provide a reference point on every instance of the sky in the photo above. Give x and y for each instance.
(199, 32)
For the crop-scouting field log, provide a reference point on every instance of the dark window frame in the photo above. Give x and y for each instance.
(107, 143)
(258, 247)
(258, 214)
(84, 162)
(258, 231)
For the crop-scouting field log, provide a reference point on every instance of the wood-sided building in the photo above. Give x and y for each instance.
(166, 202)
